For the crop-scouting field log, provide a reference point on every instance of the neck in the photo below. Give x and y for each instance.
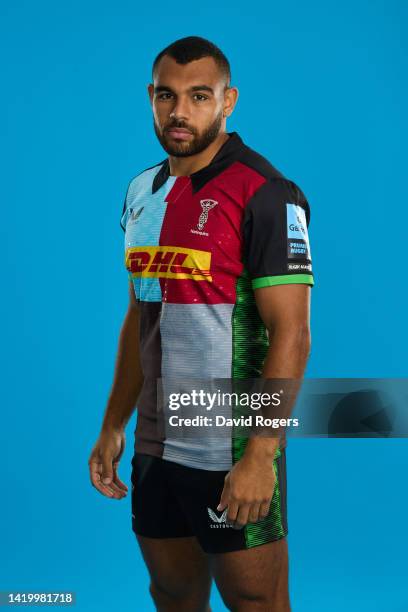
(184, 166)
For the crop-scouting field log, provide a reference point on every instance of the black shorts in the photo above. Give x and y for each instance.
(170, 500)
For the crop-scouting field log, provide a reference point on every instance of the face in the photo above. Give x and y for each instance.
(190, 104)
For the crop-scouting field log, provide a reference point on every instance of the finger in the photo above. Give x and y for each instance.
(117, 480)
(233, 508)
(119, 490)
(96, 482)
(264, 510)
(114, 491)
(107, 469)
(95, 469)
(110, 490)
(224, 500)
(242, 516)
(253, 514)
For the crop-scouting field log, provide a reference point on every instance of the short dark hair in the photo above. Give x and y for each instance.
(190, 48)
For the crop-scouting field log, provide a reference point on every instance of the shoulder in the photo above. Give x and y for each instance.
(259, 163)
(275, 185)
(277, 199)
(142, 182)
(138, 186)
(276, 195)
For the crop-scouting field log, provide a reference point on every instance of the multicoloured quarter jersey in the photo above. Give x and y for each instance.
(196, 248)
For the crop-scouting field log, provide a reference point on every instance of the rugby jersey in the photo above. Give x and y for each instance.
(196, 248)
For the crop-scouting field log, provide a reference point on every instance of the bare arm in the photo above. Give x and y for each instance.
(128, 377)
(127, 383)
(285, 311)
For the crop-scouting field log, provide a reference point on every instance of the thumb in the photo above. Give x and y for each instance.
(107, 469)
(224, 497)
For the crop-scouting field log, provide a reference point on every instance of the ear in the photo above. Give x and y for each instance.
(230, 99)
(150, 91)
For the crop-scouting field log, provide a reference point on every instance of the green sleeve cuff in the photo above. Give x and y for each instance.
(285, 279)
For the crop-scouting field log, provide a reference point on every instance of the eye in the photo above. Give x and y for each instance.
(200, 97)
(164, 96)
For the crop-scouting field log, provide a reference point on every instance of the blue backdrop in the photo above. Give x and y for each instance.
(323, 94)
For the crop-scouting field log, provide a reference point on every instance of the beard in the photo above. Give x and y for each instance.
(195, 145)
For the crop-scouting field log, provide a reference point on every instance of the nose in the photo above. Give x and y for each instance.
(180, 109)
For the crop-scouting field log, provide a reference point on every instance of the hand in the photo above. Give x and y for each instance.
(104, 461)
(248, 491)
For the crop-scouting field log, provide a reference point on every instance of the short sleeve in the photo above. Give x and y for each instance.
(276, 247)
(124, 215)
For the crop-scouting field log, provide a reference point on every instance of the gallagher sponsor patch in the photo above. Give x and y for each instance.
(298, 239)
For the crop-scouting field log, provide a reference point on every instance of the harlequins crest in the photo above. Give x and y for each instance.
(206, 205)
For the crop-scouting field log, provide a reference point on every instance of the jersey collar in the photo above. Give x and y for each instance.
(225, 156)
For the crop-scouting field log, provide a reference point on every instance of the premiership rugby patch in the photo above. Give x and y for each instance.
(297, 236)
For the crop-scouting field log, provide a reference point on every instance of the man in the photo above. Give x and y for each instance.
(218, 256)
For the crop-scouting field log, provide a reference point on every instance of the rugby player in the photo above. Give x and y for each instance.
(219, 264)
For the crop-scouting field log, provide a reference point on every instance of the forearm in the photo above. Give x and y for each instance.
(286, 358)
(287, 354)
(128, 377)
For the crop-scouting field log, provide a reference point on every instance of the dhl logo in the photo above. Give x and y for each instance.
(168, 262)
